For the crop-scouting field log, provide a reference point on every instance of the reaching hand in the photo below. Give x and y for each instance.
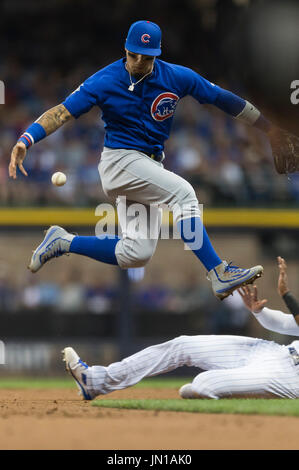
(249, 297)
(17, 157)
(283, 278)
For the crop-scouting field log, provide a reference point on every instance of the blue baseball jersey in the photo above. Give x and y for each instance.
(141, 119)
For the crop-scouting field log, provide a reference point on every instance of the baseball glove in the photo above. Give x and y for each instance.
(285, 150)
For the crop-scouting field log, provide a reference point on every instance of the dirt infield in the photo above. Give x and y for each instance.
(59, 419)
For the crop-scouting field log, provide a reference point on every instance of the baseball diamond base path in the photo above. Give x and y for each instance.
(59, 419)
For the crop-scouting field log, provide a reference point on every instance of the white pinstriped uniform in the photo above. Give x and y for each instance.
(233, 365)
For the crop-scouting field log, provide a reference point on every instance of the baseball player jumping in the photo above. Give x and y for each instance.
(234, 366)
(138, 96)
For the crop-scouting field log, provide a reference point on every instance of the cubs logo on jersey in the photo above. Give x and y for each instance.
(163, 107)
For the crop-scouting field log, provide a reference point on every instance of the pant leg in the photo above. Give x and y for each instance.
(230, 383)
(205, 352)
(269, 373)
(134, 175)
(140, 226)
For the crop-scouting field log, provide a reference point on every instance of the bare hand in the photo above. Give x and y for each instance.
(283, 278)
(249, 297)
(16, 160)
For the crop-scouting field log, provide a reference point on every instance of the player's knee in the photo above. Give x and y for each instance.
(189, 195)
(186, 204)
(131, 262)
(128, 257)
(143, 255)
(180, 341)
(203, 387)
(141, 261)
(204, 392)
(179, 348)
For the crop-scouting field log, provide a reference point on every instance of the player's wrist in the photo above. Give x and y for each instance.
(284, 292)
(32, 135)
(257, 311)
(291, 303)
(26, 140)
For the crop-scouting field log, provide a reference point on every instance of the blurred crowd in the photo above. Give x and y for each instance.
(227, 162)
(48, 49)
(75, 295)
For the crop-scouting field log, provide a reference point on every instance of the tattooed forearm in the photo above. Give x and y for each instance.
(54, 118)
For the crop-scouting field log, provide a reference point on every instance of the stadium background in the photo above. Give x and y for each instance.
(46, 51)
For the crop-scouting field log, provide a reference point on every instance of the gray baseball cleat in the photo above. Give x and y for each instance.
(57, 242)
(226, 278)
(78, 370)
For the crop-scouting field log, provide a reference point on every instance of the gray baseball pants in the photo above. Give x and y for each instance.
(140, 179)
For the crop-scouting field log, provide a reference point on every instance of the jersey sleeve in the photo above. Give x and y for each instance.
(205, 91)
(83, 98)
(275, 320)
(197, 86)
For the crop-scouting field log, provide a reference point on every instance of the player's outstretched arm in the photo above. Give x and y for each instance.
(284, 145)
(282, 287)
(273, 320)
(283, 290)
(47, 123)
(250, 299)
(54, 118)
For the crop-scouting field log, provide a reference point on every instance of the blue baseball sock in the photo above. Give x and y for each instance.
(99, 248)
(195, 236)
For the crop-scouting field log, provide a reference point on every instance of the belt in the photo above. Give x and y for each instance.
(158, 158)
(295, 355)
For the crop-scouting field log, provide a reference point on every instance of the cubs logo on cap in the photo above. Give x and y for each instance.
(163, 107)
(144, 37)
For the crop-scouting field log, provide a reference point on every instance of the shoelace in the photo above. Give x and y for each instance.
(233, 269)
(47, 254)
(83, 363)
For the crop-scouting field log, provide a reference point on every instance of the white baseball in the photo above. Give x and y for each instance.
(58, 178)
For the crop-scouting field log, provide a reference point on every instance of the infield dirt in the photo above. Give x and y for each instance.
(59, 419)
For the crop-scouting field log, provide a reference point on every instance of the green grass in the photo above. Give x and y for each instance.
(278, 407)
(36, 383)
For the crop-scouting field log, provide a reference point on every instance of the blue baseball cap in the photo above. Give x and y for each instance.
(144, 37)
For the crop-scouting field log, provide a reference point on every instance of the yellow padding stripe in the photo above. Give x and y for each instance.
(211, 217)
